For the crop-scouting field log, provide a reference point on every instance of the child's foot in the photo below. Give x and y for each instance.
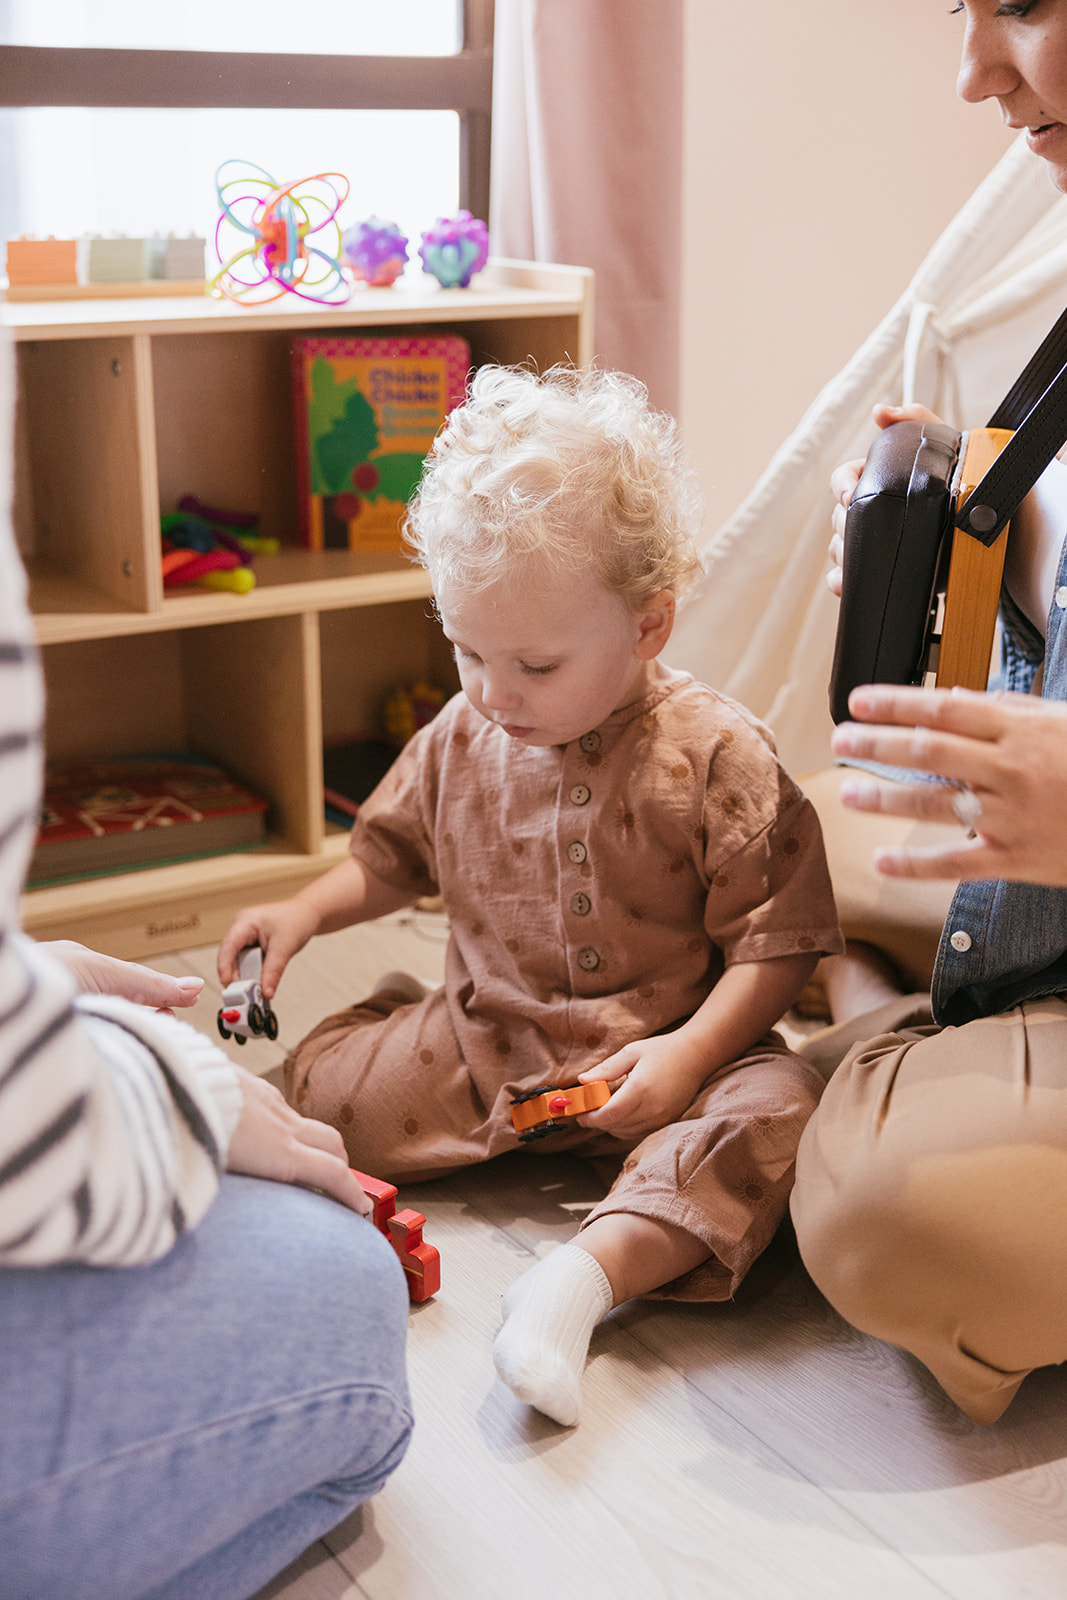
(859, 981)
(549, 1317)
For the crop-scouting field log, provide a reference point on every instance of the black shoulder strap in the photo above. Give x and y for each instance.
(1044, 365)
(1036, 407)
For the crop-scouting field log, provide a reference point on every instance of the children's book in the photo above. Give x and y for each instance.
(140, 811)
(366, 411)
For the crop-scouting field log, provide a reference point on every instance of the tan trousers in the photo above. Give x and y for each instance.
(931, 1196)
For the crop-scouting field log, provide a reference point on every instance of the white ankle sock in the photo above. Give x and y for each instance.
(549, 1317)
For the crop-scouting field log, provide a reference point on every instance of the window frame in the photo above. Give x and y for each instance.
(47, 75)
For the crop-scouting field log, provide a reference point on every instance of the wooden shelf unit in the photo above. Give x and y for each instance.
(124, 406)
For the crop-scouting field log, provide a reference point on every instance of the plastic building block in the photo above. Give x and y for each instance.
(179, 258)
(117, 260)
(542, 1111)
(49, 260)
(421, 1262)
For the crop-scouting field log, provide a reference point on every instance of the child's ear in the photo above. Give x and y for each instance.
(655, 622)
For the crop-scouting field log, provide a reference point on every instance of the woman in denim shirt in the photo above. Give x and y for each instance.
(931, 1194)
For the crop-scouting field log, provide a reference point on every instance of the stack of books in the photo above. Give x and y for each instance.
(113, 815)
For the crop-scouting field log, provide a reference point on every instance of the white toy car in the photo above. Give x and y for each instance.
(244, 1010)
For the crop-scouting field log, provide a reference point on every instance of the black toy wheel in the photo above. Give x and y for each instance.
(238, 1038)
(223, 1029)
(540, 1131)
(270, 1025)
(255, 1018)
(532, 1094)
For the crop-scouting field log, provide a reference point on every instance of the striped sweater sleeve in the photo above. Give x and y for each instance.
(114, 1120)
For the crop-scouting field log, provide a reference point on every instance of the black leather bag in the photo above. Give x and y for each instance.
(926, 533)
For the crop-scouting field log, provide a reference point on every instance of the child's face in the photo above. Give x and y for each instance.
(550, 661)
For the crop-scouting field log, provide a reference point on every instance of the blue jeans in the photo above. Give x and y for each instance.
(184, 1430)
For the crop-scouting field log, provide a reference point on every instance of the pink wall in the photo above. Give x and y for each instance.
(824, 151)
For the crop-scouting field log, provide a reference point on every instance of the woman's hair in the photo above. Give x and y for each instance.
(571, 470)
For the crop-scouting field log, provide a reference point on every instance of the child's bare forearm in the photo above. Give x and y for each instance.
(350, 893)
(347, 894)
(747, 1001)
(664, 1074)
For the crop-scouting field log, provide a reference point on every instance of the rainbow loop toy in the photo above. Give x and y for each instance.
(275, 225)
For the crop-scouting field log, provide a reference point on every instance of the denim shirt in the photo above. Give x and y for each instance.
(1007, 942)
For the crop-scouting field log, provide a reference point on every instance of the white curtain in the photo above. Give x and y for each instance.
(761, 624)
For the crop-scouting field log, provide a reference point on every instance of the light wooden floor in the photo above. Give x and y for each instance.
(761, 1451)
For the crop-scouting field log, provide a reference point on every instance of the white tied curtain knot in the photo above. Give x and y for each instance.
(926, 334)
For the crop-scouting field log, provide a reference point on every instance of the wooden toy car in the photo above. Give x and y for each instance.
(541, 1111)
(421, 1262)
(245, 1011)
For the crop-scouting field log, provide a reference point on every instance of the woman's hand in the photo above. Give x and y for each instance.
(271, 1140)
(1008, 750)
(843, 481)
(99, 974)
(280, 928)
(659, 1081)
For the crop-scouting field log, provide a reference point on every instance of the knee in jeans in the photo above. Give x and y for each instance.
(380, 1451)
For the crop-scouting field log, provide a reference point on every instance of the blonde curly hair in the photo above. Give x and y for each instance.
(568, 471)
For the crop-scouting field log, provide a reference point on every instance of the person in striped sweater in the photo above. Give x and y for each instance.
(201, 1358)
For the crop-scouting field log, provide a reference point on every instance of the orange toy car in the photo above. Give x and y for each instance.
(421, 1262)
(541, 1111)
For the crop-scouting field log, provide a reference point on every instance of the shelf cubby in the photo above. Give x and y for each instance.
(124, 405)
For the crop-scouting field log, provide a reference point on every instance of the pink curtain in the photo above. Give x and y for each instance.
(587, 163)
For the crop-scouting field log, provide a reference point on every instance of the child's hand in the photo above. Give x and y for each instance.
(280, 928)
(660, 1078)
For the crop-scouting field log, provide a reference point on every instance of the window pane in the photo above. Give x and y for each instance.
(327, 27)
(78, 171)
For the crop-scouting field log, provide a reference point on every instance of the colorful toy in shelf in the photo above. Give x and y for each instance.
(40, 261)
(245, 1011)
(279, 222)
(542, 1111)
(410, 707)
(211, 547)
(454, 249)
(115, 260)
(374, 251)
(366, 410)
(421, 1262)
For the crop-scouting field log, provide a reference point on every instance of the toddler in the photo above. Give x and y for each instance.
(636, 890)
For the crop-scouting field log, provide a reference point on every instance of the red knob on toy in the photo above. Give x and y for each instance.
(559, 1103)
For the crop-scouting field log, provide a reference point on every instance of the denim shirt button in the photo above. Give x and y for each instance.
(960, 940)
(1061, 598)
